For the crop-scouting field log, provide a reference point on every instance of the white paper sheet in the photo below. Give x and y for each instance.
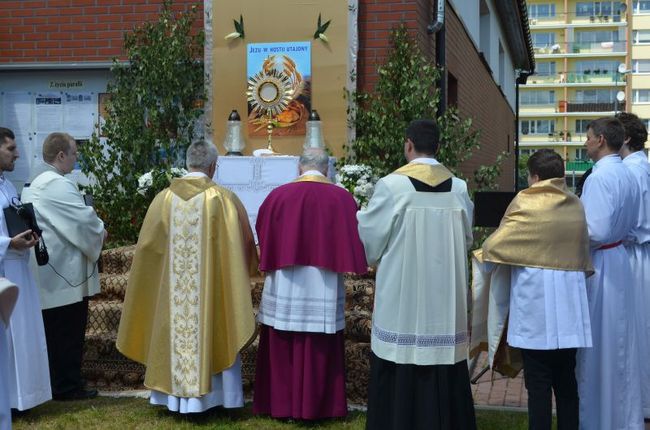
(17, 111)
(49, 112)
(79, 114)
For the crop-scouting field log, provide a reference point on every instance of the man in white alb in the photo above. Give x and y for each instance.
(608, 373)
(29, 383)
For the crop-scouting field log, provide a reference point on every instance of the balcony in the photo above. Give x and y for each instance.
(579, 49)
(568, 106)
(556, 138)
(603, 77)
(573, 19)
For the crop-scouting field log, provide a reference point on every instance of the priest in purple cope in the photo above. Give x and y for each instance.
(307, 232)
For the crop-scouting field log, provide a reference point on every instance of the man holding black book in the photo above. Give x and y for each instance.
(74, 236)
(29, 381)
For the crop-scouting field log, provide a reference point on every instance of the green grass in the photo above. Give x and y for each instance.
(135, 413)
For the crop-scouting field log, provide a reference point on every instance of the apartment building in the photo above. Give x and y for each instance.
(590, 62)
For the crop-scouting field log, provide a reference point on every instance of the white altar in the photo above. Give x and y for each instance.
(253, 178)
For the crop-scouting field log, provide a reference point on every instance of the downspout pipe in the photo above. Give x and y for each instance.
(437, 27)
(521, 79)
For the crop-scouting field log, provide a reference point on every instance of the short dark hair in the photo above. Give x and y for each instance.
(6, 134)
(425, 135)
(635, 130)
(611, 129)
(546, 164)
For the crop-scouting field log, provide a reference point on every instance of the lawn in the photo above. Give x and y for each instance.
(135, 413)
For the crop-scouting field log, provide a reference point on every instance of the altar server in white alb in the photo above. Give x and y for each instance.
(638, 243)
(29, 382)
(539, 257)
(74, 236)
(417, 228)
(8, 296)
(609, 379)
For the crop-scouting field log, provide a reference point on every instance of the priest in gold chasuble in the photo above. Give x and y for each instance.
(188, 311)
(417, 228)
(529, 279)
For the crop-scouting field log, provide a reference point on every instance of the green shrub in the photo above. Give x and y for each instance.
(155, 102)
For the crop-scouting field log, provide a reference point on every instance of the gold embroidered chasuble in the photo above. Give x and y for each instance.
(188, 311)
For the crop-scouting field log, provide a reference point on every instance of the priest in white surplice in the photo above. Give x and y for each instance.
(608, 373)
(29, 383)
(638, 242)
(8, 296)
(539, 257)
(417, 228)
(188, 310)
(74, 237)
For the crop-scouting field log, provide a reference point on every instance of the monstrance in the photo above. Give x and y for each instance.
(269, 92)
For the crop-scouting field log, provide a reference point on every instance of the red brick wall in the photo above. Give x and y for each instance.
(376, 19)
(480, 98)
(73, 30)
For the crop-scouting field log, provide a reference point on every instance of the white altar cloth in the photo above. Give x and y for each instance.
(253, 178)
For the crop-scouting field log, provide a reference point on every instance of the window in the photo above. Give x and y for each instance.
(502, 66)
(641, 7)
(541, 10)
(646, 122)
(640, 37)
(581, 154)
(598, 8)
(539, 126)
(543, 40)
(596, 96)
(581, 125)
(596, 36)
(484, 30)
(641, 96)
(537, 97)
(545, 69)
(641, 66)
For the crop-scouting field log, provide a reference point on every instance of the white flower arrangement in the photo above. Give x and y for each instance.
(359, 180)
(160, 177)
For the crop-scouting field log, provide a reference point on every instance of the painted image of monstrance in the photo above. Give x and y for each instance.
(269, 93)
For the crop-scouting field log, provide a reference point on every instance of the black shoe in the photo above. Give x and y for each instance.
(78, 394)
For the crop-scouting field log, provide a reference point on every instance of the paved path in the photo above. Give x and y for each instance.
(498, 391)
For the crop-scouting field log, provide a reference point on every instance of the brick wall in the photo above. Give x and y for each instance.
(92, 30)
(74, 30)
(480, 98)
(376, 19)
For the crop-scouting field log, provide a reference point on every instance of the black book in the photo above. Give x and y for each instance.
(490, 206)
(16, 223)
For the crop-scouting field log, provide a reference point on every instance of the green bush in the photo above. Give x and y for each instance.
(155, 101)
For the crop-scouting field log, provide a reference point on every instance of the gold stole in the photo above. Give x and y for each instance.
(313, 178)
(430, 175)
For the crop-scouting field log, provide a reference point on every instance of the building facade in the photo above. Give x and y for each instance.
(590, 62)
(49, 45)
